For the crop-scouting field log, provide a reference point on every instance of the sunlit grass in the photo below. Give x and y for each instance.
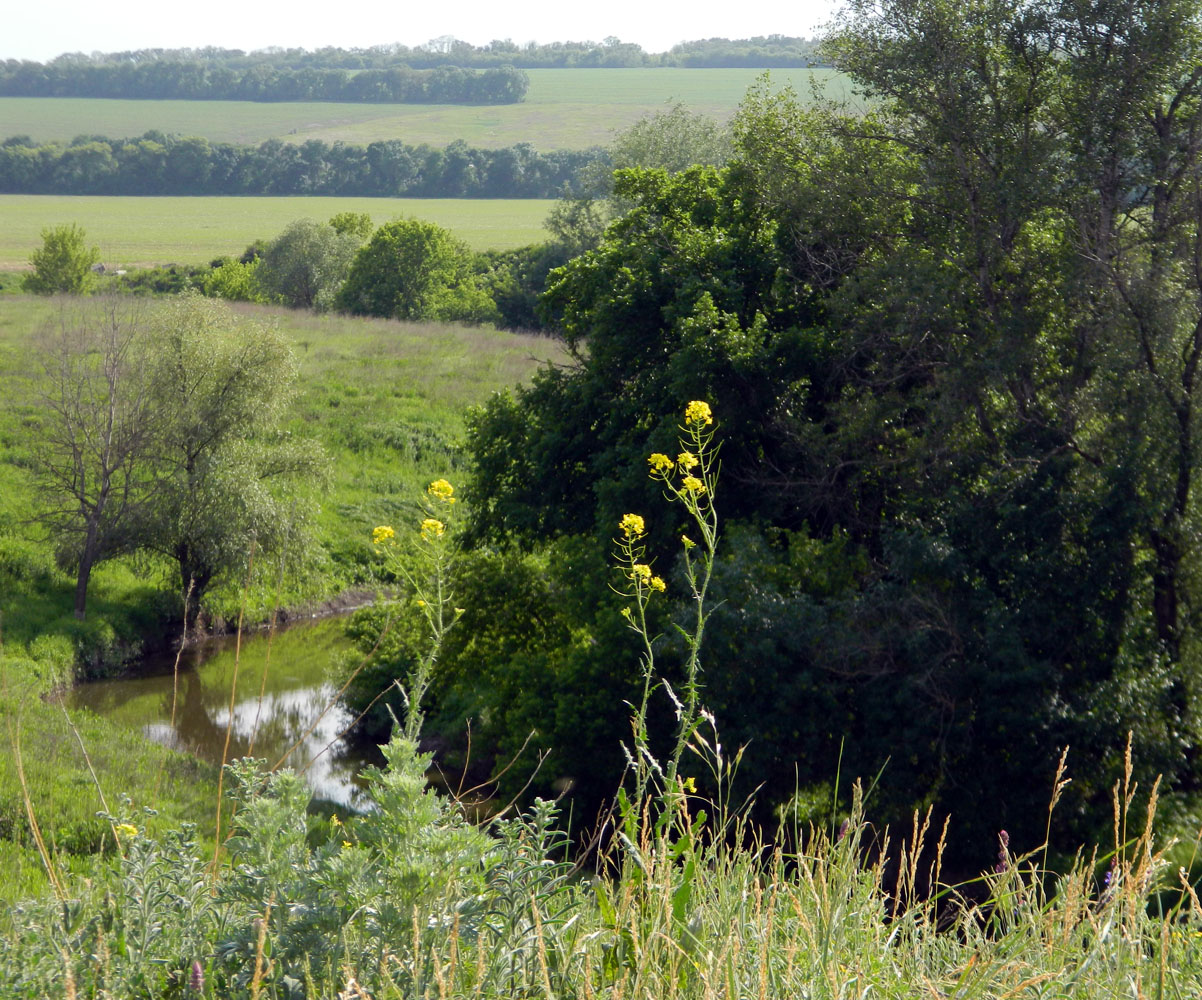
(139, 231)
(564, 109)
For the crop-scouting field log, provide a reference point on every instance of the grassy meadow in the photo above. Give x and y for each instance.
(385, 399)
(134, 232)
(564, 109)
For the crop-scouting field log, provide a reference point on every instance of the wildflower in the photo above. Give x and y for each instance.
(347, 843)
(698, 413)
(1003, 854)
(640, 571)
(432, 528)
(460, 611)
(196, 981)
(656, 583)
(440, 489)
(687, 542)
(126, 830)
(689, 784)
(686, 460)
(693, 484)
(632, 525)
(421, 603)
(843, 828)
(382, 534)
(627, 613)
(660, 463)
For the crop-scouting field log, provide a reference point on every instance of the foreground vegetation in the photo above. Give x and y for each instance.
(411, 900)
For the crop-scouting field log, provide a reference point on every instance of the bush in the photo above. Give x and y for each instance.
(63, 264)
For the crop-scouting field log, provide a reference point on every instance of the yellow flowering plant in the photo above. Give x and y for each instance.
(690, 480)
(424, 564)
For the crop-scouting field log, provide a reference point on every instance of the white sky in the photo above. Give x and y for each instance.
(42, 29)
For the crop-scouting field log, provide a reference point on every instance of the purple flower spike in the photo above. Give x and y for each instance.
(1003, 855)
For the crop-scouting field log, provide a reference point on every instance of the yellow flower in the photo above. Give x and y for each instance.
(460, 611)
(687, 542)
(632, 525)
(698, 412)
(626, 613)
(693, 484)
(660, 463)
(686, 460)
(689, 785)
(382, 534)
(657, 583)
(126, 830)
(346, 843)
(421, 603)
(639, 571)
(432, 528)
(440, 489)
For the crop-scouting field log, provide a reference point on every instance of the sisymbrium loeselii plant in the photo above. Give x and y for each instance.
(432, 544)
(690, 479)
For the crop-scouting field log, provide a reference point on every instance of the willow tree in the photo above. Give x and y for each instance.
(231, 482)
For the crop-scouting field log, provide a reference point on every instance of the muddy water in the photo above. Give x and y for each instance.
(284, 704)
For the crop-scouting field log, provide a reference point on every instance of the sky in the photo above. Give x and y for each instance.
(43, 30)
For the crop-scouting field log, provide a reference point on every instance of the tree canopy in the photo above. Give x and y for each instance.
(953, 347)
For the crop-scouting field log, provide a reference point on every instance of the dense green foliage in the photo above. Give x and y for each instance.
(158, 164)
(306, 264)
(412, 269)
(953, 347)
(63, 263)
(156, 77)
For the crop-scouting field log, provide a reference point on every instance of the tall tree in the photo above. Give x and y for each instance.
(97, 444)
(220, 386)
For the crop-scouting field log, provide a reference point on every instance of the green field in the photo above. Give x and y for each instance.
(565, 109)
(140, 231)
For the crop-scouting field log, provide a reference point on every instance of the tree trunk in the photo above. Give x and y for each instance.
(86, 560)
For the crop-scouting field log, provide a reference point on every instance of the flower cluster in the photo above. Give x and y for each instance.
(641, 574)
(660, 463)
(432, 528)
(632, 526)
(698, 414)
(382, 534)
(441, 490)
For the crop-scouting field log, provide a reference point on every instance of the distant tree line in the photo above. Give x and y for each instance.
(158, 164)
(178, 76)
(178, 70)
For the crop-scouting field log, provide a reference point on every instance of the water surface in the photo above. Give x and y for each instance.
(284, 706)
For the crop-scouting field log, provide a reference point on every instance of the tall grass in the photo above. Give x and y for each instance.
(685, 900)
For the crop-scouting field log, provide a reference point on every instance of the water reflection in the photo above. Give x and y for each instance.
(284, 706)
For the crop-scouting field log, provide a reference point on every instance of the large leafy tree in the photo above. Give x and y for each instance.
(233, 484)
(954, 344)
(306, 264)
(411, 269)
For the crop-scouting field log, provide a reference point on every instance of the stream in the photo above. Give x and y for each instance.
(284, 685)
